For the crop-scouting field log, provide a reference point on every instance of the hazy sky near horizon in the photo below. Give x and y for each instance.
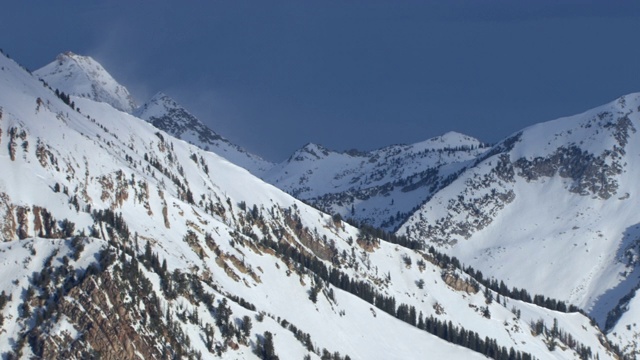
(272, 76)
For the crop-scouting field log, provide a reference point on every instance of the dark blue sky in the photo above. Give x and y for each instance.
(272, 76)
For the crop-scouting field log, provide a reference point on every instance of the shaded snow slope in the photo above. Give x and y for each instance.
(624, 329)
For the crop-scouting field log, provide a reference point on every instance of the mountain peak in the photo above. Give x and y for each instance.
(159, 105)
(455, 135)
(83, 76)
(166, 114)
(454, 138)
(310, 151)
(314, 146)
(66, 54)
(162, 97)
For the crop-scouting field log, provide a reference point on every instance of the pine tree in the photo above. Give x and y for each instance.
(266, 349)
(246, 325)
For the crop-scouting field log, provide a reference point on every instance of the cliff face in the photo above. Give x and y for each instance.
(96, 306)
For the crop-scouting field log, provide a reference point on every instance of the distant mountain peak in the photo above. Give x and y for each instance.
(162, 98)
(309, 152)
(66, 54)
(454, 135)
(166, 114)
(159, 101)
(83, 76)
(453, 139)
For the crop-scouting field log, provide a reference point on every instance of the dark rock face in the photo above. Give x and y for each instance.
(177, 121)
(489, 183)
(96, 306)
(591, 174)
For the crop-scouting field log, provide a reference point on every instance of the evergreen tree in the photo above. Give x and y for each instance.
(265, 348)
(246, 325)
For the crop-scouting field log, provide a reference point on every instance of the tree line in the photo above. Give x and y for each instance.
(407, 313)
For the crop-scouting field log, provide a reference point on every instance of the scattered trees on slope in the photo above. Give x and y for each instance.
(404, 312)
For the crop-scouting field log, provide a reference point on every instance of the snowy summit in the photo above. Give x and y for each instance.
(84, 77)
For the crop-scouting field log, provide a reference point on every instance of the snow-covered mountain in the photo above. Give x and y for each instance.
(84, 77)
(120, 241)
(552, 209)
(165, 114)
(381, 187)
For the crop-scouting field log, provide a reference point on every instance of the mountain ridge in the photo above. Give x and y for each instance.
(165, 113)
(584, 161)
(121, 241)
(359, 185)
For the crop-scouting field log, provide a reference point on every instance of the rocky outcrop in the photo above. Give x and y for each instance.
(105, 324)
(458, 283)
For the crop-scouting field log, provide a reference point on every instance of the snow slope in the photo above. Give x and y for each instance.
(624, 331)
(551, 209)
(225, 239)
(83, 76)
